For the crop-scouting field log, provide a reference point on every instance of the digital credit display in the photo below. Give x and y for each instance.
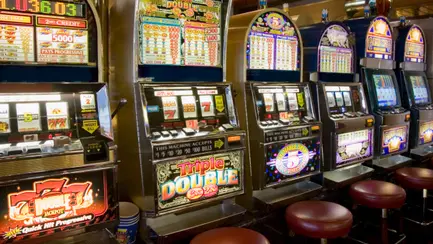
(385, 90)
(286, 161)
(71, 9)
(272, 43)
(419, 90)
(180, 33)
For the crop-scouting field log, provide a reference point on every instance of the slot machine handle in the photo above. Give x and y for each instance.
(120, 105)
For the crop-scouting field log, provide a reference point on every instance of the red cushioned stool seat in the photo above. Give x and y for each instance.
(378, 194)
(230, 235)
(415, 178)
(319, 219)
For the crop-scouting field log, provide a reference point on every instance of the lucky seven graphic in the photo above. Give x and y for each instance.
(49, 200)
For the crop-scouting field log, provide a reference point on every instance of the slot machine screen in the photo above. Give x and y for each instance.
(180, 107)
(386, 92)
(273, 43)
(354, 146)
(420, 90)
(343, 99)
(394, 140)
(285, 103)
(286, 161)
(189, 35)
(335, 52)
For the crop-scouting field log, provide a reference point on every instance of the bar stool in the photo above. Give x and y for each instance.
(417, 179)
(230, 235)
(380, 195)
(319, 219)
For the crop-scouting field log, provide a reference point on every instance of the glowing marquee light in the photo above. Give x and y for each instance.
(199, 179)
(49, 200)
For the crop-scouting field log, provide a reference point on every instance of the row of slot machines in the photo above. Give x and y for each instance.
(196, 151)
(58, 158)
(200, 152)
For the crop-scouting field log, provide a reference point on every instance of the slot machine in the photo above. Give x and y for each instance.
(183, 148)
(375, 49)
(415, 91)
(58, 159)
(348, 126)
(275, 107)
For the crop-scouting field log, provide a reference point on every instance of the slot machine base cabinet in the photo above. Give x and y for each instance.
(174, 227)
(422, 153)
(274, 198)
(100, 236)
(391, 163)
(346, 176)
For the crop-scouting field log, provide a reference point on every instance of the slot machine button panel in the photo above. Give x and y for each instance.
(284, 122)
(275, 122)
(188, 131)
(173, 133)
(165, 133)
(156, 135)
(228, 127)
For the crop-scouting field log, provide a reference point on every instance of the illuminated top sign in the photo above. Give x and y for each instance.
(71, 9)
(379, 43)
(180, 32)
(273, 43)
(415, 46)
(335, 51)
(56, 39)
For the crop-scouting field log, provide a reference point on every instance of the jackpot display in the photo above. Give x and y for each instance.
(40, 207)
(379, 43)
(414, 48)
(385, 90)
(180, 32)
(354, 146)
(60, 8)
(335, 52)
(273, 43)
(29, 38)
